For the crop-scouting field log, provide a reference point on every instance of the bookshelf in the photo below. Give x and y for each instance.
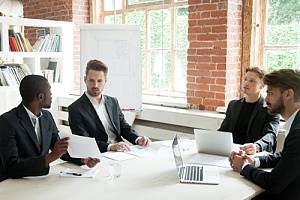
(60, 35)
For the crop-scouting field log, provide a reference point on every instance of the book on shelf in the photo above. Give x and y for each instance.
(17, 42)
(12, 74)
(49, 43)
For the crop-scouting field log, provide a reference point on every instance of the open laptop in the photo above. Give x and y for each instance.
(213, 142)
(201, 174)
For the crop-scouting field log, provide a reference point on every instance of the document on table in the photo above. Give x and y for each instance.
(209, 159)
(79, 173)
(119, 156)
(81, 147)
(140, 151)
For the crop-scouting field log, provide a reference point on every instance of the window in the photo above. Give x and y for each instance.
(282, 43)
(164, 42)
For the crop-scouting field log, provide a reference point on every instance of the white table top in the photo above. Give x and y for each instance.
(151, 177)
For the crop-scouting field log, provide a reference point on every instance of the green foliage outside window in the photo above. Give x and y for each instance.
(283, 29)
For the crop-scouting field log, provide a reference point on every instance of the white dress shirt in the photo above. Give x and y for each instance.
(35, 123)
(103, 116)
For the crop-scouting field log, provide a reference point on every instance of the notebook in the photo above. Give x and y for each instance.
(214, 142)
(200, 174)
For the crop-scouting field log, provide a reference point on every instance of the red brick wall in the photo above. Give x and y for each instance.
(80, 15)
(63, 10)
(214, 54)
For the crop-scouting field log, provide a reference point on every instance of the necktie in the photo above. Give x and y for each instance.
(34, 121)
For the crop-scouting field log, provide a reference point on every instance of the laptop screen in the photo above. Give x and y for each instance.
(177, 153)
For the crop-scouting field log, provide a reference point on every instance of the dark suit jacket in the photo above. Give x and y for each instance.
(262, 127)
(83, 120)
(20, 151)
(22, 155)
(283, 182)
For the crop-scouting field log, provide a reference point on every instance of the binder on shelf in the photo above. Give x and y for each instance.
(12, 74)
(54, 67)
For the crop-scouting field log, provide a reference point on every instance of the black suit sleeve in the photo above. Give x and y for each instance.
(126, 130)
(78, 127)
(268, 141)
(286, 166)
(14, 165)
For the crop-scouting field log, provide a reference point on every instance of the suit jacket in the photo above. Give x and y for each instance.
(262, 127)
(20, 151)
(22, 155)
(84, 121)
(283, 182)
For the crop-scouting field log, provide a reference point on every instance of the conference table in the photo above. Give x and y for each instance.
(152, 176)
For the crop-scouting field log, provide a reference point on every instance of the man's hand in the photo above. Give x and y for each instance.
(143, 141)
(60, 148)
(239, 159)
(249, 148)
(120, 146)
(90, 162)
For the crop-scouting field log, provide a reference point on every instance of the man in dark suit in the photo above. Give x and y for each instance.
(283, 96)
(248, 118)
(99, 116)
(28, 132)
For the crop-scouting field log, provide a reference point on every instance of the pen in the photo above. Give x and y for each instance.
(74, 173)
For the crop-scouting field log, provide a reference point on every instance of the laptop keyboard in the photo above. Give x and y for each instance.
(191, 173)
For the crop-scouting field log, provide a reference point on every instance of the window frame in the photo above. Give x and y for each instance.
(171, 5)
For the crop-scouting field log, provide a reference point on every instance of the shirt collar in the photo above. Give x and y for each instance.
(93, 100)
(31, 115)
(288, 123)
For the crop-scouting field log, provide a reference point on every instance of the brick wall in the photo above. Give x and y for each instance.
(62, 10)
(214, 54)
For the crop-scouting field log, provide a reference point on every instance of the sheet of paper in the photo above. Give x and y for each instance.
(140, 151)
(208, 159)
(119, 156)
(79, 173)
(81, 147)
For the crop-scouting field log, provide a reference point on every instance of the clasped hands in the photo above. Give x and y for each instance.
(239, 159)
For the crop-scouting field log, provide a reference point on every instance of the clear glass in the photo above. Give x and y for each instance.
(161, 70)
(114, 170)
(283, 34)
(279, 59)
(159, 28)
(113, 19)
(181, 27)
(110, 5)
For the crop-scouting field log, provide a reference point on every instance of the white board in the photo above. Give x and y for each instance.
(118, 46)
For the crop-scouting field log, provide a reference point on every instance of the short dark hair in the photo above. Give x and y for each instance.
(31, 86)
(96, 65)
(285, 79)
(256, 70)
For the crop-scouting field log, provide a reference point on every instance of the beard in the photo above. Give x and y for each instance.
(276, 107)
(94, 92)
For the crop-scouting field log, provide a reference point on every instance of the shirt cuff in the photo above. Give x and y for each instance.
(257, 162)
(136, 140)
(108, 147)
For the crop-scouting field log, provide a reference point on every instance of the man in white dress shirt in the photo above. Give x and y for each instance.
(99, 116)
(283, 181)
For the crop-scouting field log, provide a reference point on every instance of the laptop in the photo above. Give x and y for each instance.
(213, 142)
(194, 173)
